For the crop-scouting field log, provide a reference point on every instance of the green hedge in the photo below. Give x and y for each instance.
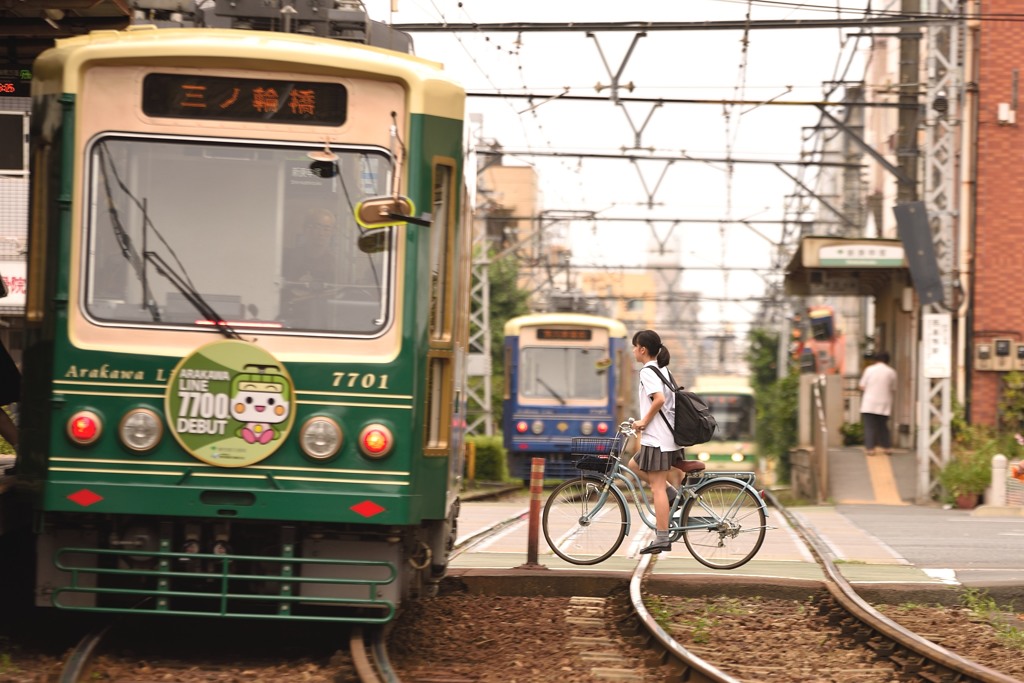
(491, 460)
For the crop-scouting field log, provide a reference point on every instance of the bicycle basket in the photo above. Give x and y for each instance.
(595, 445)
(596, 463)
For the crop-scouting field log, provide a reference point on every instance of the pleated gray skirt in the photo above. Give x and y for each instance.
(653, 459)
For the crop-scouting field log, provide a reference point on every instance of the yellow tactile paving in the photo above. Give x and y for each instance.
(883, 481)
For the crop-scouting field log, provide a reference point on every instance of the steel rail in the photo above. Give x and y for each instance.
(848, 599)
(78, 665)
(691, 668)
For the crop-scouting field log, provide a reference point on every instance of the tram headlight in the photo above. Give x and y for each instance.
(587, 428)
(537, 427)
(521, 426)
(376, 441)
(703, 456)
(737, 457)
(602, 427)
(85, 427)
(140, 429)
(320, 438)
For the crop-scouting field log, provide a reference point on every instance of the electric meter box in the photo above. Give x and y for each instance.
(1003, 354)
(983, 356)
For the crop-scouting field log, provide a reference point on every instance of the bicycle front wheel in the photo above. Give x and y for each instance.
(584, 520)
(732, 524)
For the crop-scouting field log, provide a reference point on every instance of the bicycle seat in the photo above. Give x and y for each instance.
(688, 466)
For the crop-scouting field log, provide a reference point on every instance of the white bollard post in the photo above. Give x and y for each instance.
(998, 491)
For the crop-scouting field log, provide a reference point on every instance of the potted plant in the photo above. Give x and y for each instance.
(966, 476)
(853, 433)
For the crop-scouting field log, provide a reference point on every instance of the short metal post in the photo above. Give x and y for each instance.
(536, 490)
(471, 462)
(997, 497)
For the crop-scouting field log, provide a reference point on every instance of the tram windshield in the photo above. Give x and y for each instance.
(563, 374)
(734, 415)
(260, 233)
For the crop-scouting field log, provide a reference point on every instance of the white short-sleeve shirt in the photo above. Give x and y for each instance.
(657, 432)
(878, 384)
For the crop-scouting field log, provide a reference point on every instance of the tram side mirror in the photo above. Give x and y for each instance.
(384, 212)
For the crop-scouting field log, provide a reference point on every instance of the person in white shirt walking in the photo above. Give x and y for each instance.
(878, 387)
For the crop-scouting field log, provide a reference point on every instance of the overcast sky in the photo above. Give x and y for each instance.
(755, 65)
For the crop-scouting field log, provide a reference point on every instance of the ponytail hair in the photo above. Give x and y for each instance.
(650, 340)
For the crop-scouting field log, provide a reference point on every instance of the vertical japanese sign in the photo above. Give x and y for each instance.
(936, 335)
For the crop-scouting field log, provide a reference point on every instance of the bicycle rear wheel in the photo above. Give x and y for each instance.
(579, 526)
(735, 520)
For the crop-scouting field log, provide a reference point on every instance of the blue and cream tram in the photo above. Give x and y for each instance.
(566, 375)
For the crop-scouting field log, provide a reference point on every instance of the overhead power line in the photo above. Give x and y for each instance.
(617, 26)
(489, 151)
(679, 100)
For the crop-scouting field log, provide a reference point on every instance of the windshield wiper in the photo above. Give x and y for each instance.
(180, 281)
(191, 295)
(553, 392)
(124, 241)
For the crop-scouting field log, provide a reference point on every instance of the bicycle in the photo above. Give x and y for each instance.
(719, 515)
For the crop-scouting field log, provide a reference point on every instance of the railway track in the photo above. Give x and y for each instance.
(912, 656)
(913, 653)
(612, 637)
(194, 650)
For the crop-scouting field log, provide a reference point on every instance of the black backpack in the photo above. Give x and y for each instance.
(694, 423)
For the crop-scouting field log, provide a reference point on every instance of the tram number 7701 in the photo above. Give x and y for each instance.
(366, 380)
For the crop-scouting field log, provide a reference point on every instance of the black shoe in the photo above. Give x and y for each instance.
(657, 547)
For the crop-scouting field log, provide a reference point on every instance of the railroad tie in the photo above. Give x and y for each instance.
(597, 647)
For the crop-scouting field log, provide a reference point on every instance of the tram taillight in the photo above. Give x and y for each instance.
(85, 427)
(376, 441)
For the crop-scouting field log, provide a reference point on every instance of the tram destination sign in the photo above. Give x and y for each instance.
(244, 99)
(552, 334)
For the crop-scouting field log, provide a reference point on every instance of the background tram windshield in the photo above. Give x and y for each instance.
(562, 373)
(734, 414)
(237, 223)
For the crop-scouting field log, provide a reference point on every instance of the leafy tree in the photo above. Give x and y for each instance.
(762, 357)
(507, 301)
(777, 400)
(1011, 403)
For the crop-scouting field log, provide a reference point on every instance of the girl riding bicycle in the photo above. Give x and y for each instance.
(658, 450)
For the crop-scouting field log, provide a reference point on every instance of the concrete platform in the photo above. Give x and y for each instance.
(875, 546)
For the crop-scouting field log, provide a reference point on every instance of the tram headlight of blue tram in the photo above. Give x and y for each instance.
(140, 429)
(587, 428)
(320, 438)
(537, 427)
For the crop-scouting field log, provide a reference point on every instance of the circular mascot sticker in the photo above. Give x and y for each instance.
(230, 404)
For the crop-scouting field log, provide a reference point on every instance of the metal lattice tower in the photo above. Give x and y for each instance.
(479, 416)
(943, 86)
(478, 393)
